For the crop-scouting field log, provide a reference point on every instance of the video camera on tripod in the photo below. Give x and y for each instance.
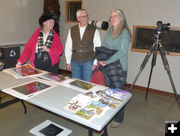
(161, 26)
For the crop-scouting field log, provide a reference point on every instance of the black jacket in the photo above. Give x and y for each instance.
(115, 77)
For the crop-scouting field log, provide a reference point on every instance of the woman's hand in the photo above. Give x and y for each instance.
(102, 63)
(45, 48)
(18, 64)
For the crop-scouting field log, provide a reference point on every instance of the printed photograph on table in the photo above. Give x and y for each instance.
(31, 87)
(76, 103)
(81, 84)
(49, 128)
(96, 108)
(85, 113)
(116, 93)
(54, 77)
(93, 109)
(90, 95)
(108, 100)
(24, 71)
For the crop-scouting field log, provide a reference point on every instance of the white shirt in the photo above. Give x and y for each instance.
(68, 45)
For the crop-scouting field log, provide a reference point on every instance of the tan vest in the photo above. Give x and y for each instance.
(82, 50)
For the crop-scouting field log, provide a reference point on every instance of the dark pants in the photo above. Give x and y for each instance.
(120, 115)
(46, 65)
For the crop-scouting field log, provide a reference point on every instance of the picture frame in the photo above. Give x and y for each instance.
(143, 37)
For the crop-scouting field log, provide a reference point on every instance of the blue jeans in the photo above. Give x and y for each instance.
(82, 70)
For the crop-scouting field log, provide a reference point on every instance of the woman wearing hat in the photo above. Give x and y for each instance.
(44, 47)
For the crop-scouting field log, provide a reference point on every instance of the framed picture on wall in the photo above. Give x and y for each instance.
(144, 37)
(71, 7)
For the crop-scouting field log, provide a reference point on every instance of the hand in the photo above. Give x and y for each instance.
(45, 48)
(18, 64)
(93, 67)
(68, 67)
(102, 63)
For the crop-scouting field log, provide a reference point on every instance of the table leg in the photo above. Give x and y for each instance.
(0, 96)
(105, 133)
(4, 104)
(25, 110)
(90, 132)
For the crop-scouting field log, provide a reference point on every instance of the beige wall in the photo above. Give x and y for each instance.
(140, 12)
(19, 19)
(144, 12)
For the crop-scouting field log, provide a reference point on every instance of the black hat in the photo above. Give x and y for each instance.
(46, 16)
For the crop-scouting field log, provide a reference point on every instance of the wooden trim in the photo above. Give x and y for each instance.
(67, 12)
(151, 90)
(144, 50)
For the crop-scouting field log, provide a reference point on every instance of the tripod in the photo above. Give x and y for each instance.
(154, 49)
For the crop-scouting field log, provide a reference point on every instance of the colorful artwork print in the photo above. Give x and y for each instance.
(81, 84)
(26, 70)
(54, 77)
(97, 109)
(90, 95)
(108, 100)
(85, 113)
(116, 93)
(32, 87)
(76, 103)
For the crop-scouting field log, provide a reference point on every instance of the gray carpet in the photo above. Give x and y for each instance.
(141, 119)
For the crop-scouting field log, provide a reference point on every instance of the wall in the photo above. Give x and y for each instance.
(19, 19)
(145, 12)
(139, 12)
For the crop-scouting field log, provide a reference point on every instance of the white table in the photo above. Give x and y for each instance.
(57, 97)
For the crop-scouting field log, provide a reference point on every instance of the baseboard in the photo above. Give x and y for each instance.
(151, 90)
(68, 73)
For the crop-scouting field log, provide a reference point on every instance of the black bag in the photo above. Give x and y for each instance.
(43, 55)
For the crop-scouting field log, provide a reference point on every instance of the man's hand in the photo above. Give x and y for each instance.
(93, 67)
(68, 67)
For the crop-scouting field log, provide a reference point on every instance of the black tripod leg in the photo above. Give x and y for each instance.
(153, 63)
(142, 66)
(147, 89)
(166, 66)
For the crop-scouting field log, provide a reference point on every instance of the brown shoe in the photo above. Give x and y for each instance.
(114, 124)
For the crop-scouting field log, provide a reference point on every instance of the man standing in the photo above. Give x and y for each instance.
(80, 47)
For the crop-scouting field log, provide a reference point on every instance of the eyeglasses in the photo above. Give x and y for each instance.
(114, 16)
(83, 16)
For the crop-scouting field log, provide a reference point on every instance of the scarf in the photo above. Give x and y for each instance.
(42, 54)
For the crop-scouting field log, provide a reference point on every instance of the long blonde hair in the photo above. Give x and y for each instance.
(123, 24)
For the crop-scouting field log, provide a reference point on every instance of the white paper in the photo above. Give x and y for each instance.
(44, 124)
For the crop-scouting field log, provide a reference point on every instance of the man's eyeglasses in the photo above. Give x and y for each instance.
(83, 16)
